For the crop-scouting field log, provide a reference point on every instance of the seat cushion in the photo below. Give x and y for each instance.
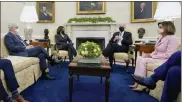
(122, 56)
(153, 66)
(63, 53)
(20, 63)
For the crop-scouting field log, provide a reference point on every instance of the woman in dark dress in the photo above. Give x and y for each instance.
(63, 42)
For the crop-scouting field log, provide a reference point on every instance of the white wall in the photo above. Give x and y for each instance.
(119, 11)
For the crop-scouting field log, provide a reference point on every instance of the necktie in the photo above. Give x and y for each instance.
(19, 38)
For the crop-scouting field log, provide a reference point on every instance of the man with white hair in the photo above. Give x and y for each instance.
(119, 42)
(18, 47)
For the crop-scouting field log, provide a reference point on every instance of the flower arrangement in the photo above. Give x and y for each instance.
(89, 49)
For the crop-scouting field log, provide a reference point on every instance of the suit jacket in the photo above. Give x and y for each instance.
(42, 16)
(15, 45)
(62, 41)
(144, 14)
(165, 47)
(127, 39)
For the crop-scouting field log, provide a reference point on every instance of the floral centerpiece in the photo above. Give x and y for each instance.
(89, 50)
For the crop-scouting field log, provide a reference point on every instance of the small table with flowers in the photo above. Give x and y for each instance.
(102, 70)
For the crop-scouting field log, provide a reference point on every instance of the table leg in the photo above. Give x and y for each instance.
(70, 86)
(135, 55)
(100, 79)
(107, 85)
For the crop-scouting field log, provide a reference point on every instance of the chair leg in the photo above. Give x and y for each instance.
(132, 62)
(127, 65)
(64, 58)
(114, 61)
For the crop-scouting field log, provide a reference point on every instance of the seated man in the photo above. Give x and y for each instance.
(170, 72)
(16, 46)
(11, 82)
(119, 42)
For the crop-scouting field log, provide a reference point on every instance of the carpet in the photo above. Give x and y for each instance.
(88, 89)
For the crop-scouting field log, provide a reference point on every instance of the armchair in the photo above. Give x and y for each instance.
(127, 57)
(61, 53)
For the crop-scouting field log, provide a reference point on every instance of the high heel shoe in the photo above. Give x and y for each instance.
(133, 86)
(141, 90)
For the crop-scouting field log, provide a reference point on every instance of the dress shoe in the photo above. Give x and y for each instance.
(21, 99)
(148, 82)
(48, 77)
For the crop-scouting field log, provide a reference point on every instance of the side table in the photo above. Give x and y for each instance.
(143, 48)
(45, 44)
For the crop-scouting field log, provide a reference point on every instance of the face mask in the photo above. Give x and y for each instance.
(62, 32)
(17, 31)
(160, 31)
(121, 29)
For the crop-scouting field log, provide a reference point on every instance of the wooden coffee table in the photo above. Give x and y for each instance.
(102, 70)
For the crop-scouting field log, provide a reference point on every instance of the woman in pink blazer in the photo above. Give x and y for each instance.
(165, 46)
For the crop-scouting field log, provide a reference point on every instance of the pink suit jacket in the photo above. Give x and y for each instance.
(165, 48)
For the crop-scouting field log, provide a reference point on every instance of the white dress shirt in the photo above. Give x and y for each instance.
(121, 37)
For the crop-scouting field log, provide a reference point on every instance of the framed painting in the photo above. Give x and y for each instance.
(46, 12)
(143, 11)
(91, 7)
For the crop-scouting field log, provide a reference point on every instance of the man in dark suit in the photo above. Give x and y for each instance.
(143, 12)
(119, 42)
(43, 15)
(18, 47)
(11, 82)
(63, 42)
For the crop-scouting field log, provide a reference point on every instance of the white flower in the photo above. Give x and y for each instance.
(85, 48)
(83, 52)
(98, 49)
(83, 44)
(95, 50)
(86, 52)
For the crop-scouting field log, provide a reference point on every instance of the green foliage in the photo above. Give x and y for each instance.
(92, 20)
(89, 49)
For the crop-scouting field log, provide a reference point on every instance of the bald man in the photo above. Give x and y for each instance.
(119, 42)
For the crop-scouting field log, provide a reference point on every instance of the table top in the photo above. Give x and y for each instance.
(104, 65)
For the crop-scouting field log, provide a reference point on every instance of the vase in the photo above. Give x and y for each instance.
(90, 61)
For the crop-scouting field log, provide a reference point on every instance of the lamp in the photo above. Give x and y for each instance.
(168, 11)
(28, 15)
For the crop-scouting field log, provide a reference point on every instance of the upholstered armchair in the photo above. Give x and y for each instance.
(126, 57)
(61, 53)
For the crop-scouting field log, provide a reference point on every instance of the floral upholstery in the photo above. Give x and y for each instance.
(27, 69)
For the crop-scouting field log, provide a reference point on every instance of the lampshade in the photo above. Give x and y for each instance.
(29, 14)
(168, 11)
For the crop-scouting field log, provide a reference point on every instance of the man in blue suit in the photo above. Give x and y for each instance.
(170, 71)
(18, 47)
(11, 82)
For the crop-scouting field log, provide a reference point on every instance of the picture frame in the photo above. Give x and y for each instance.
(45, 11)
(90, 7)
(143, 11)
